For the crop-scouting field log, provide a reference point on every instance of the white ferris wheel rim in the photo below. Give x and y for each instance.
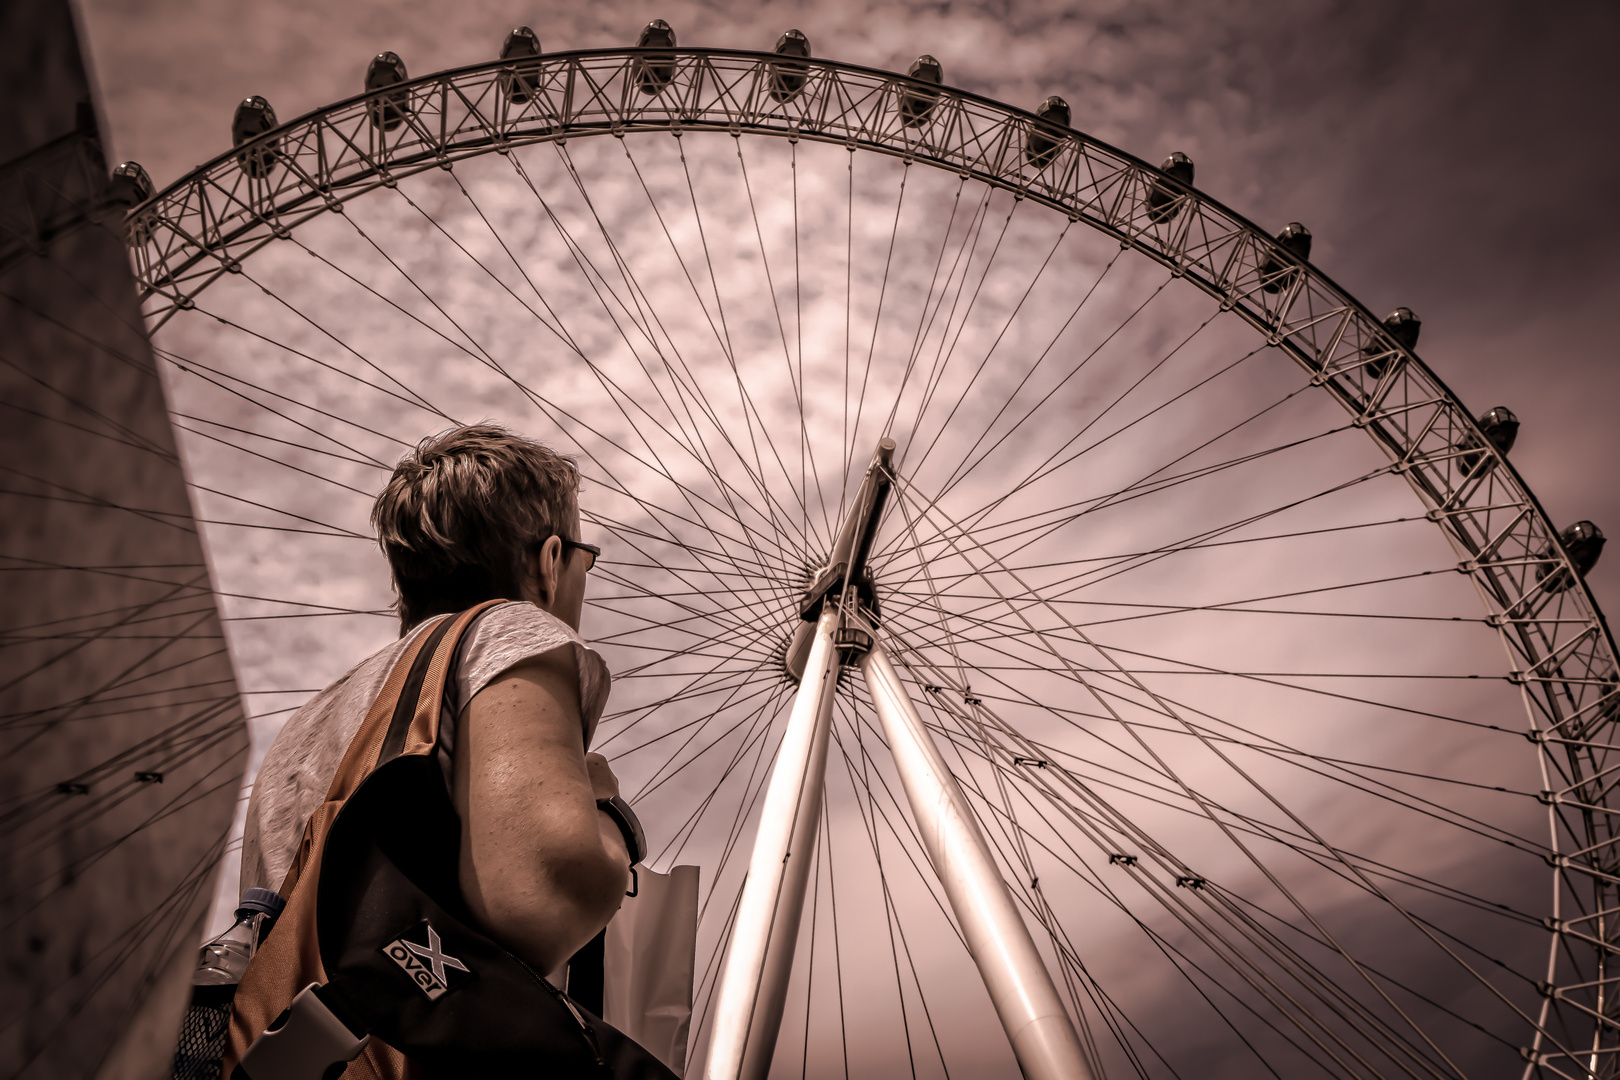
(202, 228)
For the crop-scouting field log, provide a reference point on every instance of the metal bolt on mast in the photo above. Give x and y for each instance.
(753, 983)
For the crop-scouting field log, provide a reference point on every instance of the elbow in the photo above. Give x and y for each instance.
(592, 881)
(549, 913)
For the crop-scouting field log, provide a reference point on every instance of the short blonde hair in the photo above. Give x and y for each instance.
(460, 513)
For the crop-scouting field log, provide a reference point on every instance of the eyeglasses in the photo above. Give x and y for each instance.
(590, 549)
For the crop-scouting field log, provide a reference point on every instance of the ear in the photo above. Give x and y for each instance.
(546, 566)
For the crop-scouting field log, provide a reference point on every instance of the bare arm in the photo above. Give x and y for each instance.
(542, 869)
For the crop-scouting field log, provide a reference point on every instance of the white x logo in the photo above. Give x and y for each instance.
(435, 956)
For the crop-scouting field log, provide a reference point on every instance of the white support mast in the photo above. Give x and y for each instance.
(753, 983)
(1042, 1036)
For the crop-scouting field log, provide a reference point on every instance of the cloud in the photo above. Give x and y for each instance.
(703, 372)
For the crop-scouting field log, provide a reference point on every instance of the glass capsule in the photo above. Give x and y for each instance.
(1048, 134)
(654, 71)
(253, 118)
(387, 111)
(917, 102)
(518, 80)
(788, 78)
(1275, 275)
(1164, 202)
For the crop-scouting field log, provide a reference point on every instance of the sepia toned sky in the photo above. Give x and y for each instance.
(1457, 159)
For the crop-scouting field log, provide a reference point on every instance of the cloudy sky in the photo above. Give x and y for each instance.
(1453, 159)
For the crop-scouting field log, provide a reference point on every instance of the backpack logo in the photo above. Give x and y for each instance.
(422, 957)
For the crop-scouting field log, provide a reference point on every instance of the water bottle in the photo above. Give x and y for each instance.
(220, 966)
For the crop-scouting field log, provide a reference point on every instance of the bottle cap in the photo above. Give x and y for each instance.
(255, 901)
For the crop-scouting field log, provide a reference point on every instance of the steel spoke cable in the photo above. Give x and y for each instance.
(930, 308)
(1471, 823)
(781, 329)
(627, 720)
(721, 613)
(1131, 490)
(703, 460)
(161, 455)
(691, 395)
(807, 467)
(700, 684)
(668, 770)
(1196, 545)
(321, 477)
(866, 815)
(963, 261)
(713, 567)
(877, 321)
(1214, 671)
(593, 275)
(946, 353)
(214, 376)
(962, 472)
(615, 392)
(1091, 577)
(750, 412)
(1179, 960)
(1259, 864)
(404, 395)
(124, 434)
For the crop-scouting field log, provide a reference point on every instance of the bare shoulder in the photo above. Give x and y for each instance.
(538, 697)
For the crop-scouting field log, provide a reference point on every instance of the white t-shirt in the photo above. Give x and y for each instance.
(298, 769)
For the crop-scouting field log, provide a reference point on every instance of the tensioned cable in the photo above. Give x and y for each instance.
(1191, 794)
(690, 394)
(1259, 864)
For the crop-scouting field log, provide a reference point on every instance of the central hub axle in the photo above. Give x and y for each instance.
(846, 574)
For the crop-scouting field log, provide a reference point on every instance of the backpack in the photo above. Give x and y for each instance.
(376, 949)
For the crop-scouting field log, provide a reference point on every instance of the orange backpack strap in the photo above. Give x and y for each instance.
(289, 959)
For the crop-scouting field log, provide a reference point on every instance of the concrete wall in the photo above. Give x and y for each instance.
(122, 738)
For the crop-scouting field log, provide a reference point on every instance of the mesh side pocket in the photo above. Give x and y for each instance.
(201, 1049)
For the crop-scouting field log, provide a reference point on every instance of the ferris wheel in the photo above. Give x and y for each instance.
(1068, 631)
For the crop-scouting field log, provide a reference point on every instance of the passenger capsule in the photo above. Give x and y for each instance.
(1403, 327)
(1164, 202)
(1500, 428)
(654, 71)
(130, 185)
(518, 80)
(253, 118)
(1049, 132)
(1583, 543)
(788, 78)
(390, 110)
(917, 102)
(1296, 240)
